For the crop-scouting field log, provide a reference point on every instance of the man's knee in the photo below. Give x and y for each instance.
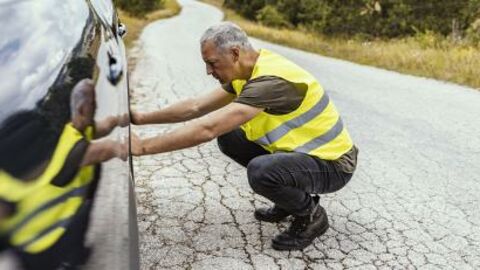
(260, 174)
(224, 144)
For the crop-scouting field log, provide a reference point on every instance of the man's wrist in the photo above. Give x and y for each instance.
(113, 121)
(138, 146)
(136, 118)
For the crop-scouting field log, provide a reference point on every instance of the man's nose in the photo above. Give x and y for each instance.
(209, 70)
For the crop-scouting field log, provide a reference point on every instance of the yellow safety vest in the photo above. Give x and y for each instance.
(314, 128)
(43, 210)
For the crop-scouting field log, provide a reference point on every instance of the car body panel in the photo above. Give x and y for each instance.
(50, 46)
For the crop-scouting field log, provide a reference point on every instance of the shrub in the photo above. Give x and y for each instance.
(374, 18)
(247, 8)
(270, 16)
(429, 39)
(473, 32)
(310, 14)
(139, 7)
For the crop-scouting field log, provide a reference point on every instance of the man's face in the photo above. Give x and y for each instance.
(88, 108)
(84, 92)
(221, 64)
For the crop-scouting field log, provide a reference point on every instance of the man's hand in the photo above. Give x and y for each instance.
(137, 118)
(123, 120)
(136, 145)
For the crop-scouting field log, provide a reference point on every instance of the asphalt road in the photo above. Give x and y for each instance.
(413, 202)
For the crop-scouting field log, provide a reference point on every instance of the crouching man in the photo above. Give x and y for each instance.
(272, 117)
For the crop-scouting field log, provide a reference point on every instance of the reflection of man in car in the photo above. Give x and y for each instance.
(83, 111)
(47, 182)
(272, 117)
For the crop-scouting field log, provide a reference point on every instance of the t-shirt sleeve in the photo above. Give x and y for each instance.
(71, 164)
(229, 88)
(274, 94)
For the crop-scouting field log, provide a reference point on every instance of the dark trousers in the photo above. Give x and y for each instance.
(285, 178)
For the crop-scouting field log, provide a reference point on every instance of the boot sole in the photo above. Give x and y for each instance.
(277, 246)
(262, 218)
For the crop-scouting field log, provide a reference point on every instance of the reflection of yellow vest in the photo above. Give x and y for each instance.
(43, 210)
(315, 127)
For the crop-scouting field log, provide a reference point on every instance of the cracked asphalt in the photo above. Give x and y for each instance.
(412, 204)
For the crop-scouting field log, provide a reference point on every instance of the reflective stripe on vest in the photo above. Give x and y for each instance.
(78, 192)
(315, 127)
(43, 209)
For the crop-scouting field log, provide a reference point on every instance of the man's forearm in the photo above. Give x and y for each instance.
(101, 151)
(104, 127)
(178, 112)
(185, 110)
(180, 138)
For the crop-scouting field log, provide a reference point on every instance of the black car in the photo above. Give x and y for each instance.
(66, 182)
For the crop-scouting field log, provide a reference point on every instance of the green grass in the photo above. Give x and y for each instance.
(425, 55)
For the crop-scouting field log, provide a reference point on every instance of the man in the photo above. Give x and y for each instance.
(273, 118)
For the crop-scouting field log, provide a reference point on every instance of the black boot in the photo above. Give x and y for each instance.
(272, 214)
(303, 230)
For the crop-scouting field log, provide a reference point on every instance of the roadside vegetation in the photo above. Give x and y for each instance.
(436, 39)
(136, 14)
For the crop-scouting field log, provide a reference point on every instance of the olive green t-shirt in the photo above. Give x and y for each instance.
(278, 96)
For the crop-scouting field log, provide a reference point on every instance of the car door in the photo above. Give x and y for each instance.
(117, 191)
(47, 48)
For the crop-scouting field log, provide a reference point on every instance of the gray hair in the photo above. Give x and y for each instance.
(225, 35)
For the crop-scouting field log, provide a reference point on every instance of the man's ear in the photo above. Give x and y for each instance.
(81, 110)
(236, 53)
